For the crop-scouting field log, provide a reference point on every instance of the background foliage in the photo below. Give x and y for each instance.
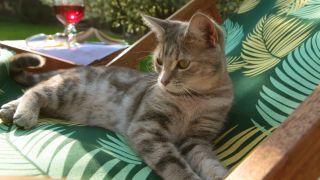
(121, 17)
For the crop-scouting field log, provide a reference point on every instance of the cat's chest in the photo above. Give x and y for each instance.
(192, 109)
(189, 113)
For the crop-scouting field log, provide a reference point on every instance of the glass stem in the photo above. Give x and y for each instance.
(70, 32)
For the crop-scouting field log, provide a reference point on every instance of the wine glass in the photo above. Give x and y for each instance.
(69, 13)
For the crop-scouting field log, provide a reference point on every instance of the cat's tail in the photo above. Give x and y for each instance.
(21, 62)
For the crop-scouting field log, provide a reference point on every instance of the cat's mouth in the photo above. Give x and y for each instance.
(178, 91)
(173, 91)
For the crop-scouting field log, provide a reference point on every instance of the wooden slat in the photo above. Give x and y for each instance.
(291, 152)
(143, 47)
(107, 59)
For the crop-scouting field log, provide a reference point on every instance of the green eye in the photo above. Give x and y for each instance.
(183, 64)
(159, 61)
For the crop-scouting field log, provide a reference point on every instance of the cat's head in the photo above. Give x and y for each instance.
(190, 55)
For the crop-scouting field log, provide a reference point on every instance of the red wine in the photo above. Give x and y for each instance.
(69, 14)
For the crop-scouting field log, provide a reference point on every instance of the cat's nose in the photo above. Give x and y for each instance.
(165, 82)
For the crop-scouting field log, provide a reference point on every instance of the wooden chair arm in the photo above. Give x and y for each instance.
(143, 47)
(291, 152)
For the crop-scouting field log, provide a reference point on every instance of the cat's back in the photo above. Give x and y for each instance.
(109, 82)
(103, 78)
(103, 93)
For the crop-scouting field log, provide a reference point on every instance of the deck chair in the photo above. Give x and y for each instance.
(273, 55)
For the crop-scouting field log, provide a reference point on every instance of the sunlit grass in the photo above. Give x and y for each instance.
(21, 30)
(18, 30)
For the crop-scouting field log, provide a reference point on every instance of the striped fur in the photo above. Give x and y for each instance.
(170, 116)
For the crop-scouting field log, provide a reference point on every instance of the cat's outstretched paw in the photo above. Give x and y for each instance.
(220, 173)
(212, 169)
(25, 119)
(7, 111)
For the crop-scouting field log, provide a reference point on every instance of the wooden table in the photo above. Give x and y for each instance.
(54, 63)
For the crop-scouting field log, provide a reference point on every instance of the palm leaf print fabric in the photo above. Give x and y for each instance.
(273, 56)
(274, 68)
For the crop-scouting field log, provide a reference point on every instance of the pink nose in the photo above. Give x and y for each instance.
(165, 81)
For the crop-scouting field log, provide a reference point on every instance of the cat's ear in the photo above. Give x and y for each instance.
(204, 28)
(158, 26)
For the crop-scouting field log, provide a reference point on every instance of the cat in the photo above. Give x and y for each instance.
(170, 116)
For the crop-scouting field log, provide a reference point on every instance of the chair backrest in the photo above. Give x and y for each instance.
(273, 55)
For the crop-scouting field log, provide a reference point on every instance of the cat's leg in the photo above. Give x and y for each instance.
(7, 111)
(202, 159)
(152, 142)
(27, 112)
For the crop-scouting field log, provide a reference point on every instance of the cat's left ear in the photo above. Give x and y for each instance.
(204, 28)
(158, 26)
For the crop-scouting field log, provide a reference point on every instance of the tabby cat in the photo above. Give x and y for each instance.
(170, 116)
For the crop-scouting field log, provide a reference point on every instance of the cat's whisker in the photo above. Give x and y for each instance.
(193, 91)
(152, 80)
(188, 93)
(151, 87)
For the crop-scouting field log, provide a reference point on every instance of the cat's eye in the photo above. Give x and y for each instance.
(159, 61)
(183, 64)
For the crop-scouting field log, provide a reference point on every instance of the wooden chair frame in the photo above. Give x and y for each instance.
(291, 152)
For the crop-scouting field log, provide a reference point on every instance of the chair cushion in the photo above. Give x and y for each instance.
(273, 53)
(61, 150)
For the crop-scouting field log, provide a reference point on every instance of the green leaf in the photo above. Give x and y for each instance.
(56, 169)
(233, 35)
(105, 169)
(234, 63)
(18, 159)
(142, 174)
(233, 150)
(117, 147)
(80, 166)
(273, 38)
(49, 150)
(293, 81)
(309, 11)
(289, 6)
(248, 5)
(124, 172)
(248, 144)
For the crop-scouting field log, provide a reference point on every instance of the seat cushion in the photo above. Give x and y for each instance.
(61, 150)
(273, 54)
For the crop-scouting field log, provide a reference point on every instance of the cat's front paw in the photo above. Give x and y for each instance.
(7, 111)
(214, 171)
(25, 119)
(219, 173)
